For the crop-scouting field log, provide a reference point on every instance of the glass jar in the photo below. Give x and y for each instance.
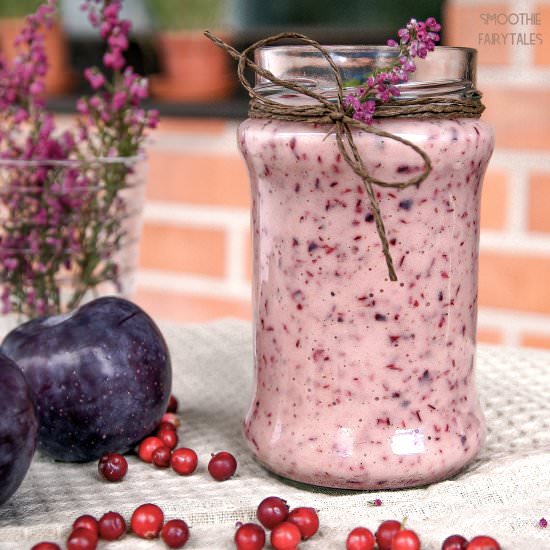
(363, 382)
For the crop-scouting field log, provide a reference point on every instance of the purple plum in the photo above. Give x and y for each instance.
(18, 426)
(100, 377)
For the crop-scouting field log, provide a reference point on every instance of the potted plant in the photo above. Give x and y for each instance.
(193, 68)
(12, 18)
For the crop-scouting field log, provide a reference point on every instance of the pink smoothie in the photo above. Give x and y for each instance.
(362, 382)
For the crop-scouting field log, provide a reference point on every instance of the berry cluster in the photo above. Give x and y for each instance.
(416, 39)
(160, 450)
(392, 535)
(147, 522)
(288, 527)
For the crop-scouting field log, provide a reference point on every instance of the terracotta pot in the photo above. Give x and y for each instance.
(59, 79)
(194, 69)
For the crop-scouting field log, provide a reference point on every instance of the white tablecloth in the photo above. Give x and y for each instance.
(503, 493)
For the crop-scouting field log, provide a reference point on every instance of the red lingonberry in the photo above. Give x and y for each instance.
(360, 538)
(166, 426)
(112, 467)
(306, 519)
(405, 540)
(285, 536)
(222, 466)
(272, 511)
(111, 526)
(483, 543)
(82, 539)
(385, 533)
(172, 406)
(162, 456)
(454, 542)
(171, 418)
(249, 536)
(175, 533)
(88, 522)
(147, 521)
(184, 461)
(45, 545)
(168, 437)
(147, 447)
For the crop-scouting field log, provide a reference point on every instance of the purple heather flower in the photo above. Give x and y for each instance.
(117, 39)
(21, 115)
(110, 13)
(95, 78)
(95, 102)
(403, 35)
(119, 100)
(153, 117)
(113, 60)
(409, 66)
(36, 88)
(139, 90)
(416, 39)
(105, 29)
(432, 24)
(82, 106)
(11, 264)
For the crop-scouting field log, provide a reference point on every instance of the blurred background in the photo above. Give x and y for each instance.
(195, 254)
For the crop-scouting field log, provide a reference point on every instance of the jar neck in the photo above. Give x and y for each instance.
(446, 72)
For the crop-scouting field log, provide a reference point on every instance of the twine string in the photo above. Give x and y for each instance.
(325, 111)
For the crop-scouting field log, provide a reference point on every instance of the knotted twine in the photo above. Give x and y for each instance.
(326, 111)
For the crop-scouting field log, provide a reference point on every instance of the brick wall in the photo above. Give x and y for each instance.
(195, 262)
(514, 75)
(195, 247)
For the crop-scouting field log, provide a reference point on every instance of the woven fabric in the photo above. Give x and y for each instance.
(503, 493)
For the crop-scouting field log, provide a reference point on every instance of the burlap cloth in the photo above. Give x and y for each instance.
(503, 494)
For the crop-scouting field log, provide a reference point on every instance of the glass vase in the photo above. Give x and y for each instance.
(69, 231)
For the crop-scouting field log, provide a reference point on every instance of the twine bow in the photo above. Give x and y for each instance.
(325, 111)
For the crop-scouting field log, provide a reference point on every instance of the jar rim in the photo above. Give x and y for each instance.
(446, 71)
(374, 47)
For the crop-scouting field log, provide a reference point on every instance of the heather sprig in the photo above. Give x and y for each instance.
(416, 39)
(63, 212)
(112, 121)
(26, 127)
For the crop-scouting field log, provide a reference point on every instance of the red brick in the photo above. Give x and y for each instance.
(188, 308)
(184, 249)
(514, 281)
(542, 51)
(539, 202)
(494, 200)
(489, 336)
(535, 341)
(201, 179)
(519, 116)
(178, 125)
